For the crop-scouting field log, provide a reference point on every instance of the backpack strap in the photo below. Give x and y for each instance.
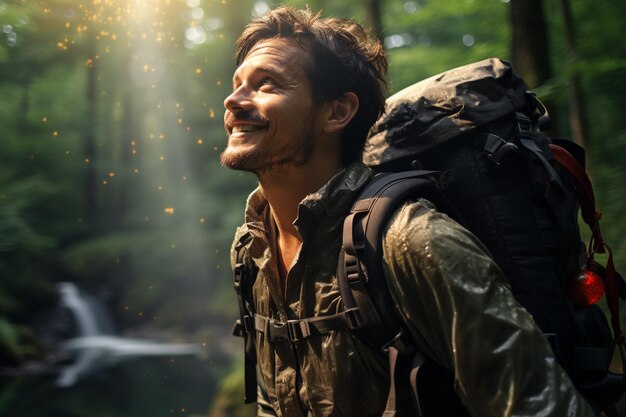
(591, 215)
(360, 270)
(613, 281)
(244, 276)
(249, 322)
(299, 329)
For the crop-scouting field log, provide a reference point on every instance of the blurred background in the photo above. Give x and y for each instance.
(116, 218)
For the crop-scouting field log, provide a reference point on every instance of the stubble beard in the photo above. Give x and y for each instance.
(260, 161)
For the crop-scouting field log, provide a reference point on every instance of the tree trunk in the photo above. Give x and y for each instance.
(530, 42)
(372, 12)
(126, 179)
(577, 111)
(531, 58)
(89, 140)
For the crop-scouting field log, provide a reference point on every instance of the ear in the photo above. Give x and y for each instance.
(340, 111)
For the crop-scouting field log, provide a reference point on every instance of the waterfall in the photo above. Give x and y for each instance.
(90, 315)
(96, 347)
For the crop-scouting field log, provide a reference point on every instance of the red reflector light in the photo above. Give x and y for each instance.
(586, 289)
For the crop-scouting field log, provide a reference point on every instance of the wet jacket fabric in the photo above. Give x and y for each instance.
(454, 299)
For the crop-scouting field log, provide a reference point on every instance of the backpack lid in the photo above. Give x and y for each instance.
(435, 110)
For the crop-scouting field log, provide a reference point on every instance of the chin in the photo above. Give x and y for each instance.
(241, 161)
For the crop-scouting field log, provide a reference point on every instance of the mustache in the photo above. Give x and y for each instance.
(249, 116)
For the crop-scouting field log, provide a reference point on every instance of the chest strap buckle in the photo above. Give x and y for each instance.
(298, 329)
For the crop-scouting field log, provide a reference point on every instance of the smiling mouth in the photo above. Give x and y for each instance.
(246, 128)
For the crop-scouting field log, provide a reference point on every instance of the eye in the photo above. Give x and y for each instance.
(266, 81)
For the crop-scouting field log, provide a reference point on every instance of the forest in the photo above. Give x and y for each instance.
(111, 127)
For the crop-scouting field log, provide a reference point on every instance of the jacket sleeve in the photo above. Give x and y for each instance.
(461, 313)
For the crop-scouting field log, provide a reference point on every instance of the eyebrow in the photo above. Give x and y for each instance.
(273, 70)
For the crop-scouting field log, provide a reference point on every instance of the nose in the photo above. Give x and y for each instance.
(239, 100)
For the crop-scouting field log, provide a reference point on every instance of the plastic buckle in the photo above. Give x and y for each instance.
(275, 330)
(238, 271)
(243, 241)
(248, 323)
(354, 318)
(238, 329)
(268, 325)
(523, 126)
(496, 148)
(298, 330)
(353, 273)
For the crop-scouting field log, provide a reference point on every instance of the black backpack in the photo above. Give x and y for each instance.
(468, 141)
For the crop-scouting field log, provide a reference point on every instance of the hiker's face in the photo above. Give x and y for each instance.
(271, 116)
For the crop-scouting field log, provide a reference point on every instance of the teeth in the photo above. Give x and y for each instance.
(246, 128)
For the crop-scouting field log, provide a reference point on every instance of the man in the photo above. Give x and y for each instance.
(305, 93)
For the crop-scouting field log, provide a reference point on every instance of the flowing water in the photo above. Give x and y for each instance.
(107, 375)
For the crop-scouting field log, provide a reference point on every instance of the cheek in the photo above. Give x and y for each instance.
(305, 108)
(265, 102)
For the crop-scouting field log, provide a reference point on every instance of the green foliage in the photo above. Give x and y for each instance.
(443, 35)
(18, 344)
(144, 145)
(9, 343)
(24, 257)
(228, 398)
(17, 198)
(599, 62)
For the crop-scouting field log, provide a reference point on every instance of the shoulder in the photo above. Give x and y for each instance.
(419, 239)
(413, 216)
(419, 223)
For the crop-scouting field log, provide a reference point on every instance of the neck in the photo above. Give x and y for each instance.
(285, 187)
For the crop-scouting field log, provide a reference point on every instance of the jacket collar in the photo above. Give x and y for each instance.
(333, 199)
(336, 196)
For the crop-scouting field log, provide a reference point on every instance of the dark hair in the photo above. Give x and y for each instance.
(343, 59)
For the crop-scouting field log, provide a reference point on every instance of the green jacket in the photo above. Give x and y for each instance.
(454, 299)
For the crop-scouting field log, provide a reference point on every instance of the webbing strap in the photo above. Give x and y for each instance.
(360, 271)
(391, 407)
(418, 361)
(243, 281)
(591, 215)
(294, 330)
(523, 131)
